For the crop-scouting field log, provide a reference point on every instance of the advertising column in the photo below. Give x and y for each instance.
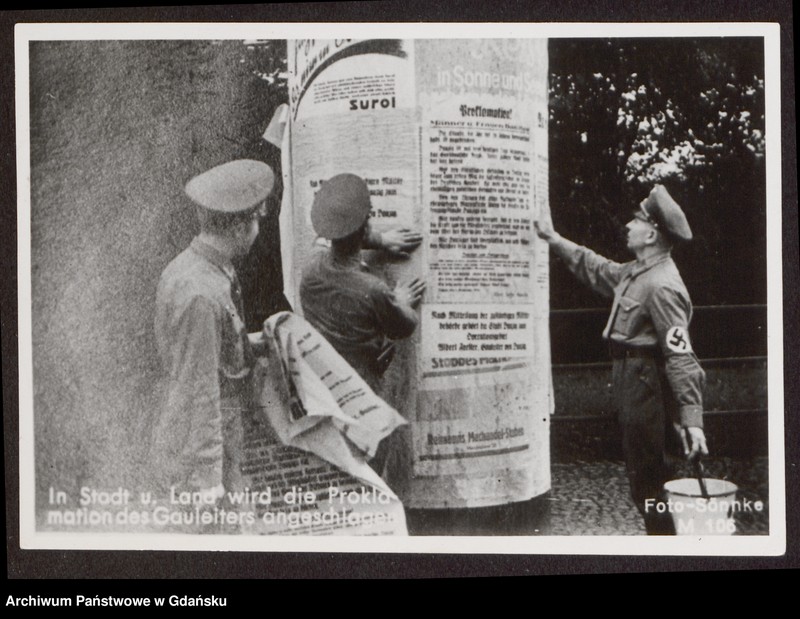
(451, 138)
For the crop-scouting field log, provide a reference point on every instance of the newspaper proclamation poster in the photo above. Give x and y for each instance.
(168, 181)
(484, 326)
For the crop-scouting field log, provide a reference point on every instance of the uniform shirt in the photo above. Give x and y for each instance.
(353, 309)
(651, 309)
(205, 353)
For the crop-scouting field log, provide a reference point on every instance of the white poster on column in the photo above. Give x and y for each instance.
(482, 421)
(352, 111)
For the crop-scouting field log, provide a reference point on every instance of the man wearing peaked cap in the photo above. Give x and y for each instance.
(204, 348)
(353, 308)
(658, 382)
(341, 206)
(234, 187)
(666, 215)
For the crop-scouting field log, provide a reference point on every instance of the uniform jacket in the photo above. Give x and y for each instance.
(651, 309)
(206, 356)
(353, 309)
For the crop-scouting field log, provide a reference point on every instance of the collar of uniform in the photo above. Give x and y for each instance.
(352, 261)
(640, 267)
(214, 256)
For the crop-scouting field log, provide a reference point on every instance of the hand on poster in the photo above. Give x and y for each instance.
(544, 228)
(410, 292)
(258, 343)
(400, 242)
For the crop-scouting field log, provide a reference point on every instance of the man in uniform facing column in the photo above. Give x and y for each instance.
(656, 376)
(354, 309)
(202, 342)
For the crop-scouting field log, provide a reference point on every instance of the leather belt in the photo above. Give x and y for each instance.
(621, 351)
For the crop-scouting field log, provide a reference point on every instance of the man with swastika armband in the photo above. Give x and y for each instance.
(657, 379)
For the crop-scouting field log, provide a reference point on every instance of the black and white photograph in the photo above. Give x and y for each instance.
(400, 288)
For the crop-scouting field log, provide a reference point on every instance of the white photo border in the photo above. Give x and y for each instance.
(771, 545)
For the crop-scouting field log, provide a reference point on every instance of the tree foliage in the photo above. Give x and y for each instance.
(688, 113)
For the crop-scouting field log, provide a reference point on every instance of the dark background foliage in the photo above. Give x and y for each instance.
(689, 113)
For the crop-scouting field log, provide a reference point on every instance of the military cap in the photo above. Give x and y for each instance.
(341, 206)
(233, 187)
(666, 214)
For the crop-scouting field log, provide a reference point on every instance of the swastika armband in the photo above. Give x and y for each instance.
(678, 340)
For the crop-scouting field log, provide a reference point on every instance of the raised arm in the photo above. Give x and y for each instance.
(598, 273)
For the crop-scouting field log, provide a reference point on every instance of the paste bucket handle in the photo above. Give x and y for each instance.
(700, 474)
(699, 470)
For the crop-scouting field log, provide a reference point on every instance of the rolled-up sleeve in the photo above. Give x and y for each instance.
(670, 311)
(595, 271)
